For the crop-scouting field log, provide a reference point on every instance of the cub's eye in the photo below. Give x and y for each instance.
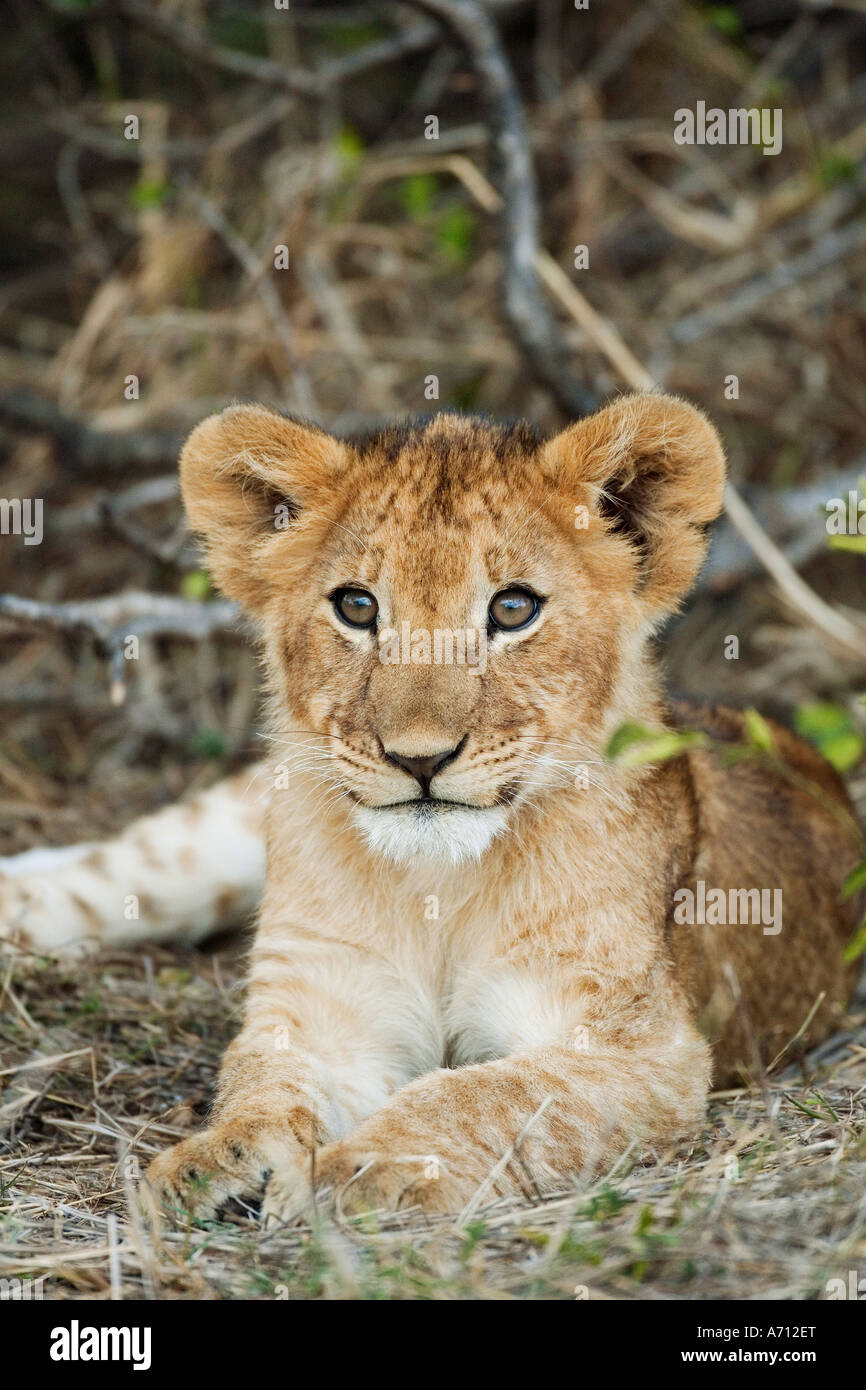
(356, 607)
(512, 609)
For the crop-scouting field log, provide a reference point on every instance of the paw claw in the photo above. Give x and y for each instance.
(204, 1173)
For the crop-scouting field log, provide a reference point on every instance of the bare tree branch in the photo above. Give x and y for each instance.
(792, 517)
(525, 306)
(111, 621)
(112, 618)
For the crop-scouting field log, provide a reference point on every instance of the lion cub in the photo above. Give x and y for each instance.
(470, 962)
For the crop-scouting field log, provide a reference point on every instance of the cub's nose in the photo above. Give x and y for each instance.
(423, 769)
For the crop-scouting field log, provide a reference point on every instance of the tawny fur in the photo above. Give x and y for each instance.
(434, 991)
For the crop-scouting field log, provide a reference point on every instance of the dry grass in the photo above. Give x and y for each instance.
(106, 1062)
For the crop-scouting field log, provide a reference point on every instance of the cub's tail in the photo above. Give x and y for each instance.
(189, 870)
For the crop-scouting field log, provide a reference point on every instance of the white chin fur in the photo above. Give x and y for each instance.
(406, 836)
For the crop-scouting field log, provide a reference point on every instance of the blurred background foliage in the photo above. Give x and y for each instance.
(260, 127)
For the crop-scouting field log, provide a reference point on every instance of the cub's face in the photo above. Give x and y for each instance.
(453, 612)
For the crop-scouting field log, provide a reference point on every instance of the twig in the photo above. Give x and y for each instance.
(160, 489)
(69, 188)
(792, 517)
(227, 141)
(153, 615)
(804, 598)
(641, 25)
(829, 250)
(196, 44)
(168, 549)
(479, 1195)
(265, 289)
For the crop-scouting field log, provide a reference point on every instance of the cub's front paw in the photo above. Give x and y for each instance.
(353, 1179)
(232, 1160)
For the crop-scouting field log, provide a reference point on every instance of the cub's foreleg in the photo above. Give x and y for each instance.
(528, 1123)
(330, 1032)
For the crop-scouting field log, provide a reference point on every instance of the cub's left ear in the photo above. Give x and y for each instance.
(651, 470)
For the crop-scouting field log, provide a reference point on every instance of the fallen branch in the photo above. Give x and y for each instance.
(828, 250)
(113, 620)
(228, 141)
(114, 617)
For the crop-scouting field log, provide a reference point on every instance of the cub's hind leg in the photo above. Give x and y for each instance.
(175, 876)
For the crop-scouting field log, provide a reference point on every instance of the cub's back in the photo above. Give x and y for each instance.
(783, 824)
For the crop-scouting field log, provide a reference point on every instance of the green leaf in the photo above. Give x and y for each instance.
(149, 193)
(662, 749)
(855, 544)
(857, 945)
(776, 89)
(537, 1238)
(417, 193)
(819, 719)
(855, 881)
(209, 743)
(758, 732)
(834, 167)
(634, 744)
(843, 752)
(608, 1202)
(244, 32)
(349, 147)
(455, 234)
(645, 1221)
(170, 976)
(628, 733)
(465, 395)
(832, 731)
(725, 20)
(196, 585)
(347, 37)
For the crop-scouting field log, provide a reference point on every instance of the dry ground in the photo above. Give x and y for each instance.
(108, 1061)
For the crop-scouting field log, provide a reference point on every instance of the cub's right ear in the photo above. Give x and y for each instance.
(250, 478)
